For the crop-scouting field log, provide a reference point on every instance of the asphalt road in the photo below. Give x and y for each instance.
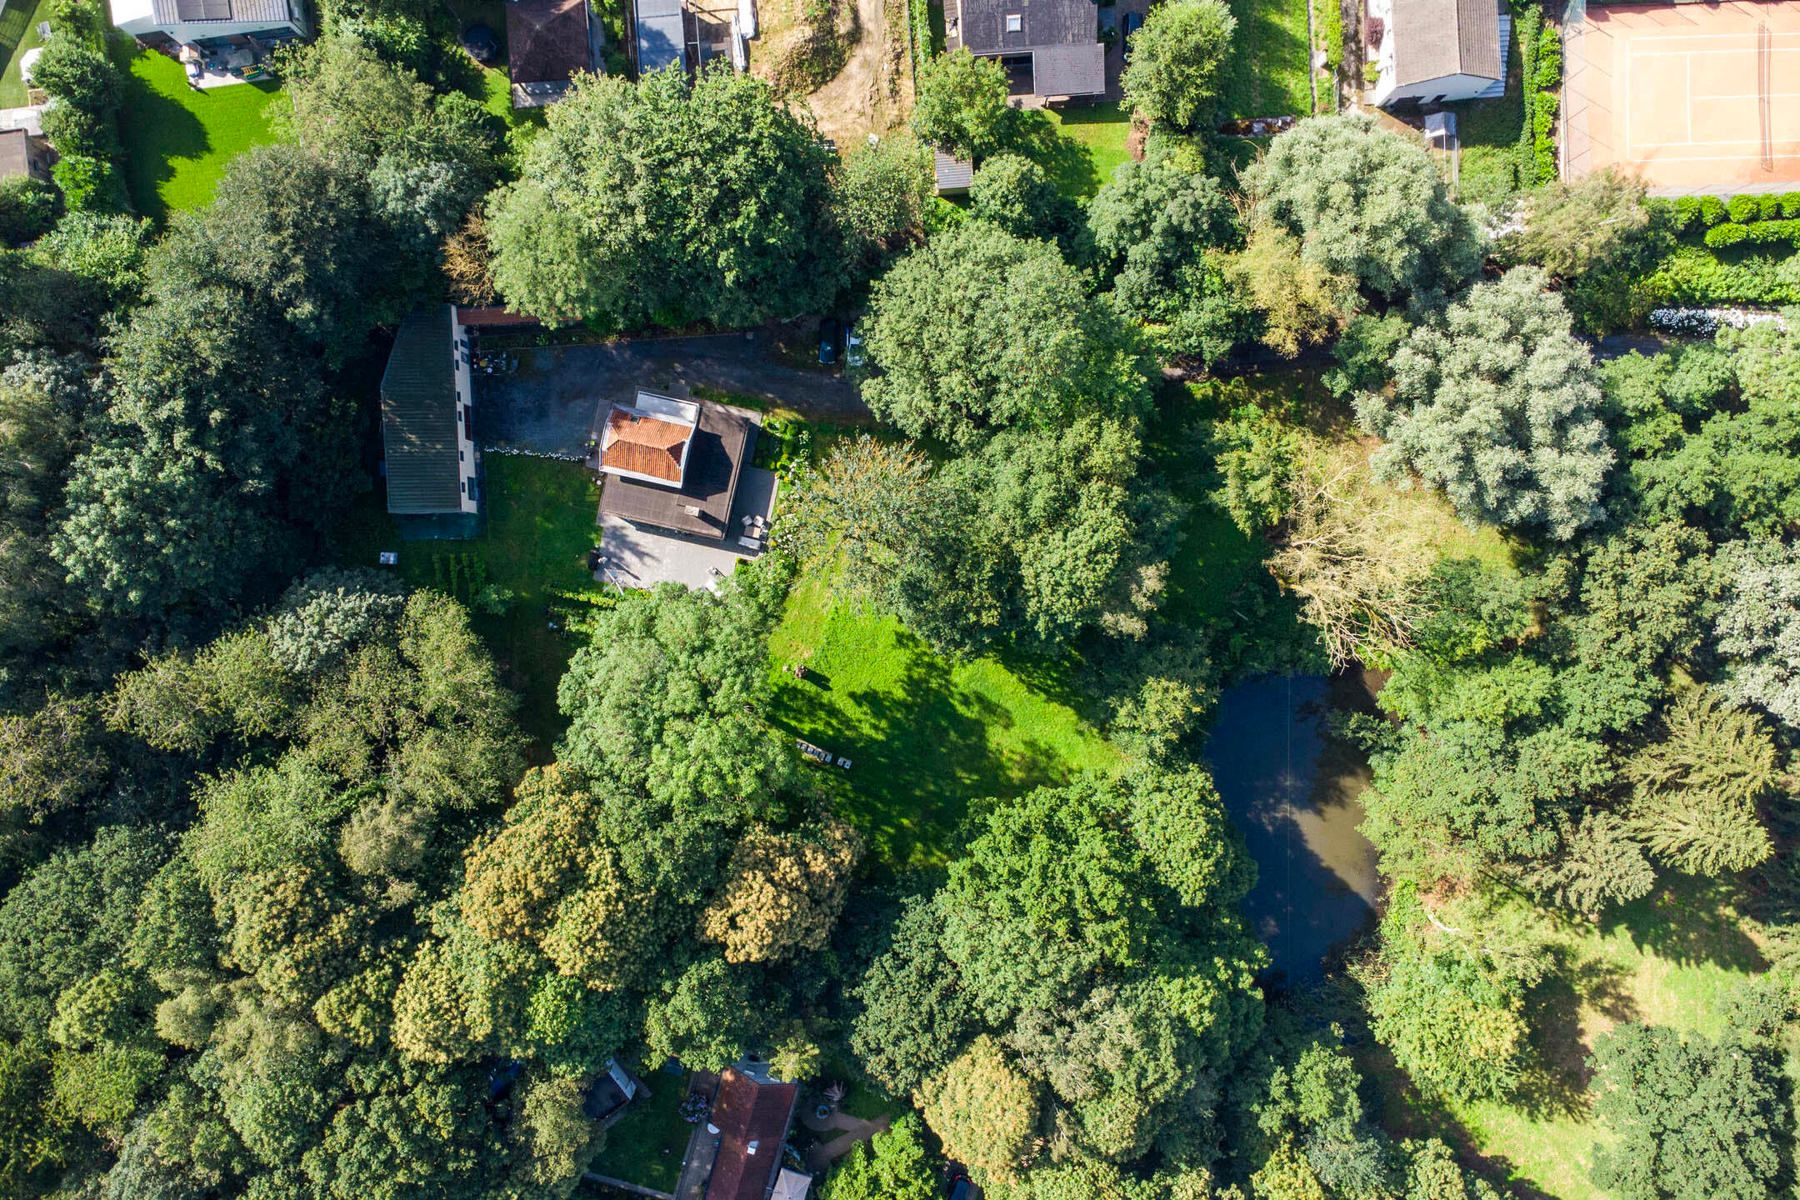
(550, 404)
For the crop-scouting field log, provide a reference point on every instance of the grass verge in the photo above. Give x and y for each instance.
(178, 141)
(926, 735)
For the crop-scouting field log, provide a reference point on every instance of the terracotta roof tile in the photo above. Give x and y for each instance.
(745, 1112)
(644, 445)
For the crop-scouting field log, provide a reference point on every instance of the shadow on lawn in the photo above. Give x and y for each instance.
(923, 749)
(1690, 923)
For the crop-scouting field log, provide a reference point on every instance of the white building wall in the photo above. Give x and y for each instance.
(1447, 88)
(467, 458)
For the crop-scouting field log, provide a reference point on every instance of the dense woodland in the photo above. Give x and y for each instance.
(292, 908)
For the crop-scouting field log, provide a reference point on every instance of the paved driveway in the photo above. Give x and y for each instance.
(550, 405)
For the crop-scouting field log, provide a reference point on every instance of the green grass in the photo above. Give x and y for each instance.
(1267, 73)
(646, 1144)
(1670, 959)
(179, 140)
(1094, 137)
(1489, 133)
(18, 33)
(540, 525)
(926, 735)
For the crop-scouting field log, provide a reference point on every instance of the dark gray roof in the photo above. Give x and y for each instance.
(1069, 70)
(1437, 38)
(661, 35)
(418, 416)
(953, 174)
(170, 12)
(719, 451)
(547, 41)
(1041, 23)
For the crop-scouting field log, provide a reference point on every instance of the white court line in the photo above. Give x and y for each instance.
(1695, 158)
(1689, 89)
(1750, 96)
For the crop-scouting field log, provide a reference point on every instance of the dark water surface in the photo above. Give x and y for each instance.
(1294, 791)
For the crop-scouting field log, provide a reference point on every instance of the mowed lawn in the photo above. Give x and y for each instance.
(1095, 137)
(179, 140)
(645, 1146)
(540, 525)
(1266, 74)
(18, 33)
(926, 735)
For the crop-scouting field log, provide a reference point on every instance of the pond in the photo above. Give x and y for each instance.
(1294, 792)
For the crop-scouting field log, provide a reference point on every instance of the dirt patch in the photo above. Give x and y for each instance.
(847, 60)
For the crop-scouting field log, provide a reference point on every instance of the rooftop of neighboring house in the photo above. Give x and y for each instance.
(649, 439)
(1061, 36)
(1435, 39)
(548, 41)
(752, 1116)
(418, 415)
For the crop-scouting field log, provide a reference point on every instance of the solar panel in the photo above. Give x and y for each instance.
(203, 10)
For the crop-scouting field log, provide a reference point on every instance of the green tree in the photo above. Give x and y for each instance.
(1301, 302)
(980, 330)
(911, 1013)
(668, 203)
(881, 192)
(1697, 788)
(1014, 193)
(1365, 203)
(1176, 56)
(782, 892)
(962, 105)
(893, 1165)
(28, 210)
(1690, 1117)
(1498, 408)
(697, 743)
(706, 1016)
(1758, 626)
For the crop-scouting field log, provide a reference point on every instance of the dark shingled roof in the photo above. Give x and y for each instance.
(746, 1111)
(1069, 70)
(715, 458)
(547, 40)
(170, 12)
(1436, 38)
(953, 174)
(1041, 23)
(418, 416)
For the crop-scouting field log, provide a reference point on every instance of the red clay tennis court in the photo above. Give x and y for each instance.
(1690, 97)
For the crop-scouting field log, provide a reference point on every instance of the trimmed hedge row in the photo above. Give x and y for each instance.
(1755, 233)
(1704, 212)
(1693, 275)
(1541, 57)
(83, 124)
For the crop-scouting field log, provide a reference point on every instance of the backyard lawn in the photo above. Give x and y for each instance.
(18, 33)
(1098, 133)
(540, 525)
(1489, 133)
(178, 140)
(926, 735)
(645, 1146)
(1267, 73)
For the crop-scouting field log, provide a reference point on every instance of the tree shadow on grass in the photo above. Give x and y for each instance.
(1556, 1084)
(1068, 163)
(1690, 922)
(922, 749)
(156, 130)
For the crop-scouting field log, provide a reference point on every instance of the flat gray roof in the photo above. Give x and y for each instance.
(1069, 70)
(661, 35)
